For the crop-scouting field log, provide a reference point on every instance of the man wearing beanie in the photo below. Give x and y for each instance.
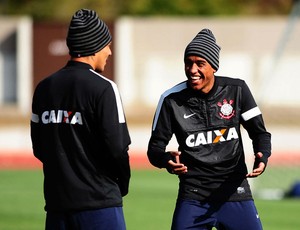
(79, 133)
(205, 113)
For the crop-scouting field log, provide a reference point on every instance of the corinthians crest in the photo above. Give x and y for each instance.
(226, 109)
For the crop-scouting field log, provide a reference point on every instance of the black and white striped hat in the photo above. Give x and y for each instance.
(204, 45)
(87, 34)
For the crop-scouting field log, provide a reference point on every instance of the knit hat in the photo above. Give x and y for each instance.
(204, 45)
(87, 34)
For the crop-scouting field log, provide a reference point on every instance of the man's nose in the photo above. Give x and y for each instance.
(194, 68)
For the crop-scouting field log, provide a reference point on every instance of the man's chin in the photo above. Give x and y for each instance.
(194, 86)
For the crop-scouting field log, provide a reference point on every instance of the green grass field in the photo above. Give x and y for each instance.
(149, 205)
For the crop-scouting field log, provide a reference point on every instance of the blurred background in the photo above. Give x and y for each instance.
(259, 41)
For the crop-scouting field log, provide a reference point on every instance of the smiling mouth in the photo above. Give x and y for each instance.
(194, 79)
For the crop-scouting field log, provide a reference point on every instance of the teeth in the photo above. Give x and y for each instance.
(195, 78)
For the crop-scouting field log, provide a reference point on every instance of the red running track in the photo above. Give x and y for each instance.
(138, 160)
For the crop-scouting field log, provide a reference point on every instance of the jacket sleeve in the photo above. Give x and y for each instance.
(252, 121)
(35, 129)
(160, 136)
(116, 136)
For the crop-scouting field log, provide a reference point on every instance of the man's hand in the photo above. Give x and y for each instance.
(259, 168)
(176, 167)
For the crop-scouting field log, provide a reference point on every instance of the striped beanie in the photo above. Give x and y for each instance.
(87, 34)
(204, 45)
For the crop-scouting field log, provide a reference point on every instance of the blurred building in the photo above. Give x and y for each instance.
(15, 66)
(29, 52)
(148, 59)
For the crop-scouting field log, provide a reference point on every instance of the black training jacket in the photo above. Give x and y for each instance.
(207, 129)
(79, 133)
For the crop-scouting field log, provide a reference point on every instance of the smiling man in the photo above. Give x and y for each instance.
(205, 113)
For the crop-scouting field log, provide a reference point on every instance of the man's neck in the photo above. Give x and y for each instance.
(88, 60)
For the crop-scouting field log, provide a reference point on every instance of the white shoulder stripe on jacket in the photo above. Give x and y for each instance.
(121, 114)
(177, 88)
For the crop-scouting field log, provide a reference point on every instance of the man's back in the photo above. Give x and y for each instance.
(72, 104)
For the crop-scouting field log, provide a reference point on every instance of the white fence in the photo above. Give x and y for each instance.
(262, 51)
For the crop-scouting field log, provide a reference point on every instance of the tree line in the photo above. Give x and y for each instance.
(61, 10)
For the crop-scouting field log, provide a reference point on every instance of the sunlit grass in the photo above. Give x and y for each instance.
(149, 205)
